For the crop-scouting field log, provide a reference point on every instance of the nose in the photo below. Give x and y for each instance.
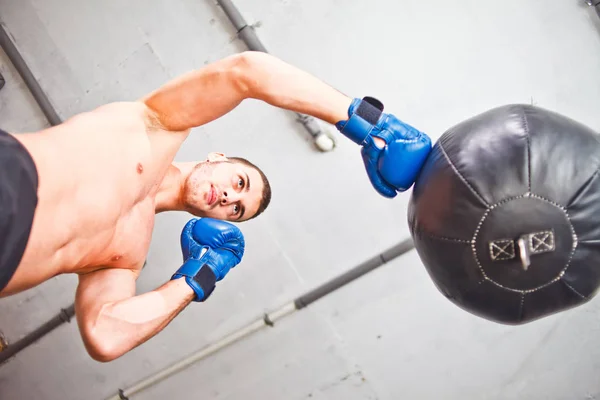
(229, 196)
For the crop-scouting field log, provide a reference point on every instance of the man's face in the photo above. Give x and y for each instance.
(223, 189)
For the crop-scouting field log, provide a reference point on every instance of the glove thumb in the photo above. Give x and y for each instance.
(370, 155)
(188, 245)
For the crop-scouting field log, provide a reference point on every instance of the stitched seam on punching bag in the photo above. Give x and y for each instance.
(583, 188)
(462, 178)
(522, 306)
(559, 277)
(526, 126)
(521, 290)
(555, 204)
(429, 235)
(575, 291)
(571, 227)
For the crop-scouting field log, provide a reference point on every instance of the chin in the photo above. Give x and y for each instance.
(196, 208)
(196, 203)
(196, 188)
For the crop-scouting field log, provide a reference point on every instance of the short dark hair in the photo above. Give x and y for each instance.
(266, 193)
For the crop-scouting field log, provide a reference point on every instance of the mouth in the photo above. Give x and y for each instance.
(211, 196)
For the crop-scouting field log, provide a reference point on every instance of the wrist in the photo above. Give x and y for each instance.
(184, 289)
(197, 275)
(341, 109)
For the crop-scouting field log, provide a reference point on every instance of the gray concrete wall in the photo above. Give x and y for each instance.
(390, 335)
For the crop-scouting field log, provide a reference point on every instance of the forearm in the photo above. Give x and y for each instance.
(282, 85)
(123, 325)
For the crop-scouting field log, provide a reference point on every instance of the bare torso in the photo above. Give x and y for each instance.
(99, 173)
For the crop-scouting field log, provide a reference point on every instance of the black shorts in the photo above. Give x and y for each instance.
(18, 201)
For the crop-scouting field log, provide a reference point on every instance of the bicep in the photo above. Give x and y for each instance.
(99, 288)
(198, 97)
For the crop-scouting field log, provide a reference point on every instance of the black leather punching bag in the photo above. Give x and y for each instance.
(505, 214)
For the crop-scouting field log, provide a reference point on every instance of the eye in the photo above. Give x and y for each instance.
(240, 183)
(236, 209)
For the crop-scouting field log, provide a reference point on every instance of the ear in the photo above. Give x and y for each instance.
(214, 157)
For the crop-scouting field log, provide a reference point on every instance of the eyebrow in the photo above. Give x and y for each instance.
(247, 181)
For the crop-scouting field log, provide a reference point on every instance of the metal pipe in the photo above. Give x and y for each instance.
(354, 273)
(595, 4)
(65, 315)
(34, 87)
(269, 319)
(322, 139)
(45, 105)
(245, 31)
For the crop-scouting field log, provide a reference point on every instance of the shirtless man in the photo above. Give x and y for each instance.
(81, 197)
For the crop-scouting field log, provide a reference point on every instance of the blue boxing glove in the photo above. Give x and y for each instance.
(210, 249)
(395, 167)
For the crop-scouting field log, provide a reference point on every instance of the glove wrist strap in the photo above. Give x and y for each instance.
(199, 276)
(363, 115)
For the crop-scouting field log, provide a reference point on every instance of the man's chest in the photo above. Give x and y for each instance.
(132, 236)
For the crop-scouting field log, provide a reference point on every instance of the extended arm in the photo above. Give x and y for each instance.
(201, 96)
(112, 320)
(393, 152)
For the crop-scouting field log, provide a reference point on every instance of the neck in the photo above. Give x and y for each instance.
(170, 192)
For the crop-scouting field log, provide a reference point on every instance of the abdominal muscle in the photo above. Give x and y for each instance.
(98, 177)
